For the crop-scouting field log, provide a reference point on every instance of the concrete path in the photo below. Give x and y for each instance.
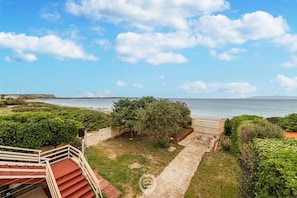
(173, 182)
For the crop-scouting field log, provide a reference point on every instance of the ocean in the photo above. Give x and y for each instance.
(204, 108)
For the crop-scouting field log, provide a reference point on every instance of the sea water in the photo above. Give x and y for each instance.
(204, 108)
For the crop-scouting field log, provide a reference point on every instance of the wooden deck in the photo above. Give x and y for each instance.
(107, 188)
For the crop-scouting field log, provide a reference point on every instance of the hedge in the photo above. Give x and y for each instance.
(276, 172)
(36, 129)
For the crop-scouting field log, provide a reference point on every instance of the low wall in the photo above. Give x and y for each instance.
(95, 137)
(208, 126)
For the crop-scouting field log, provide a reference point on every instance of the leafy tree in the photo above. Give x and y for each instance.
(124, 114)
(227, 127)
(182, 116)
(158, 120)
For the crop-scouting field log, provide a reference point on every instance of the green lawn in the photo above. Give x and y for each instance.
(216, 177)
(111, 159)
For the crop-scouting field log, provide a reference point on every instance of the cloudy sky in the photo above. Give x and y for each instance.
(160, 48)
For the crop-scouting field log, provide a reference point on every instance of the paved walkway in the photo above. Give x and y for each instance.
(173, 182)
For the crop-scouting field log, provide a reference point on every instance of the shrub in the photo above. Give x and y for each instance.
(238, 122)
(91, 119)
(265, 129)
(34, 130)
(289, 122)
(227, 127)
(274, 120)
(226, 143)
(275, 174)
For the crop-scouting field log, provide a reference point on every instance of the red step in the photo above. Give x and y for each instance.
(70, 180)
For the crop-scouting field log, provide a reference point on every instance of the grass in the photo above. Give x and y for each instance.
(111, 159)
(5, 110)
(216, 177)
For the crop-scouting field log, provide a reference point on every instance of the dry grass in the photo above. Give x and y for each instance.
(5, 110)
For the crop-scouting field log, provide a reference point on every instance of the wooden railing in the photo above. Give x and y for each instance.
(76, 155)
(22, 155)
(31, 157)
(28, 157)
(51, 182)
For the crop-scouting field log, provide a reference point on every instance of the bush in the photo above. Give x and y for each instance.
(289, 122)
(274, 120)
(34, 130)
(227, 127)
(265, 129)
(275, 174)
(92, 120)
(238, 122)
(12, 101)
(226, 143)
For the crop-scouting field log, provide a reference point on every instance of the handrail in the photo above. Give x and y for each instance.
(51, 182)
(88, 172)
(9, 153)
(68, 151)
(19, 155)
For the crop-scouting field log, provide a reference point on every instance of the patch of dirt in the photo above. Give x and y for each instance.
(112, 156)
(135, 165)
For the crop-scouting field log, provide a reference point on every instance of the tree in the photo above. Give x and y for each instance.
(124, 114)
(183, 113)
(227, 127)
(158, 120)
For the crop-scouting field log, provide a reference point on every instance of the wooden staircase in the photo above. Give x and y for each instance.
(64, 169)
(70, 180)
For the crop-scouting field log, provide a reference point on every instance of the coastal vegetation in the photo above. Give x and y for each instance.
(148, 116)
(35, 124)
(266, 165)
(266, 158)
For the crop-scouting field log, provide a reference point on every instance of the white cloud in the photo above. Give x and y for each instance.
(50, 13)
(145, 14)
(289, 41)
(53, 17)
(262, 25)
(287, 83)
(241, 89)
(120, 83)
(137, 85)
(153, 48)
(49, 45)
(216, 30)
(184, 23)
(20, 56)
(236, 89)
(105, 93)
(228, 55)
(291, 63)
(104, 43)
(160, 78)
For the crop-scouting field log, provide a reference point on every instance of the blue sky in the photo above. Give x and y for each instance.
(134, 48)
